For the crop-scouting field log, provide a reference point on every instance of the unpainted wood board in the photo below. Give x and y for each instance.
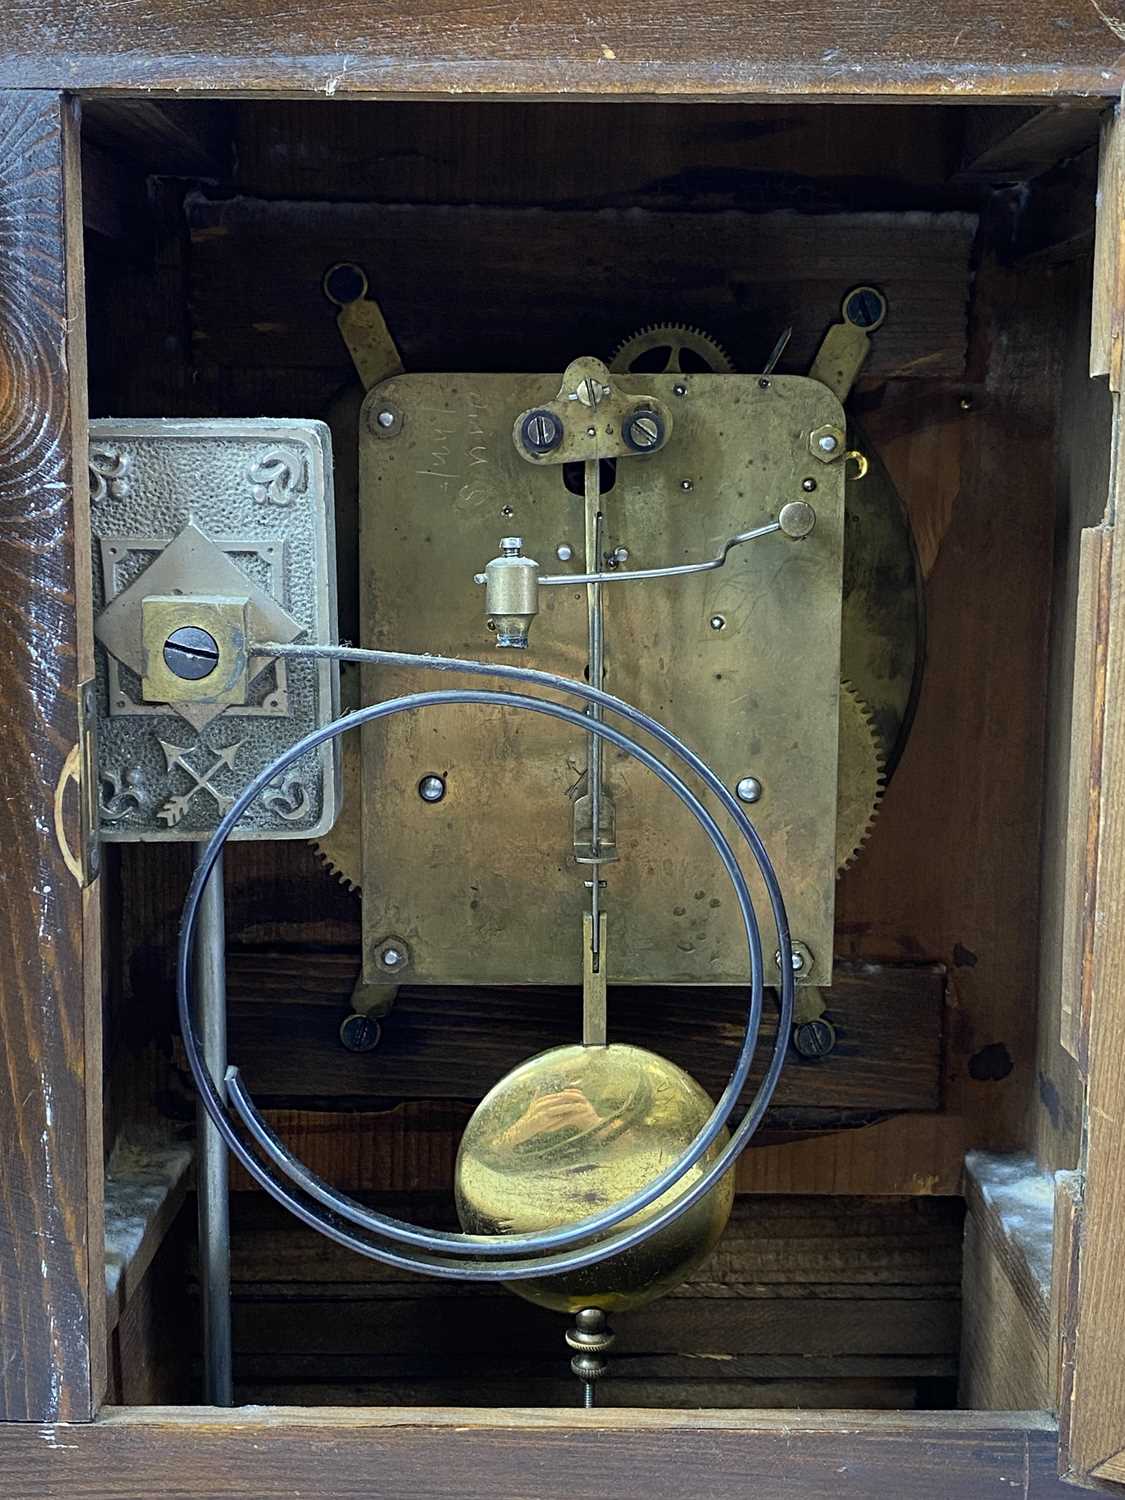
(457, 1326)
(1006, 1328)
(619, 1390)
(1108, 321)
(1064, 1288)
(1075, 709)
(833, 1243)
(145, 1186)
(191, 1453)
(1097, 1409)
(806, 156)
(414, 1145)
(1014, 145)
(454, 1043)
(51, 1286)
(967, 49)
(1004, 1364)
(169, 136)
(879, 1278)
(951, 870)
(150, 1348)
(457, 283)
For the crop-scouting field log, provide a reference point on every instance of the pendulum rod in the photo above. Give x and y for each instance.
(212, 1167)
(593, 972)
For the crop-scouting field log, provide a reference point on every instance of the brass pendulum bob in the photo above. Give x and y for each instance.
(574, 1130)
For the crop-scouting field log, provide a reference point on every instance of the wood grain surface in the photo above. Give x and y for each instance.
(811, 1302)
(455, 1043)
(469, 288)
(52, 1289)
(263, 1453)
(962, 50)
(1097, 1416)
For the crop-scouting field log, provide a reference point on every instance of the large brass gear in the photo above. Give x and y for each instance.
(341, 848)
(860, 778)
(671, 349)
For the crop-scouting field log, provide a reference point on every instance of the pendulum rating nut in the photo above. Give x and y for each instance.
(591, 1336)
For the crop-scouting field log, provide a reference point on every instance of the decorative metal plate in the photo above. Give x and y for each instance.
(218, 508)
(482, 886)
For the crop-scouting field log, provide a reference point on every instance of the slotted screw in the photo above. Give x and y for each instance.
(191, 653)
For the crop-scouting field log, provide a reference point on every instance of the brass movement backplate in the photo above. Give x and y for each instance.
(744, 663)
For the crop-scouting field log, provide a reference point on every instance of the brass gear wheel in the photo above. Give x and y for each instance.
(341, 848)
(671, 349)
(861, 777)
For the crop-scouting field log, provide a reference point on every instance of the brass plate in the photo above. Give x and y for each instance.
(483, 886)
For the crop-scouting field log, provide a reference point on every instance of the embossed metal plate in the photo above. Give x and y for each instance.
(219, 508)
(744, 663)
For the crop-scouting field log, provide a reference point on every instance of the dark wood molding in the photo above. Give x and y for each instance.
(963, 50)
(52, 1292)
(257, 1453)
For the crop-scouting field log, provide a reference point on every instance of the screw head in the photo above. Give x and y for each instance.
(717, 622)
(827, 443)
(392, 955)
(679, 390)
(541, 431)
(620, 555)
(644, 431)
(814, 1039)
(564, 552)
(797, 956)
(360, 1033)
(591, 432)
(749, 789)
(431, 788)
(686, 485)
(191, 653)
(808, 485)
(385, 420)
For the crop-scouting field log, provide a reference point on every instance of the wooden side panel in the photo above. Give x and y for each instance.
(962, 49)
(1084, 788)
(1075, 708)
(1109, 256)
(51, 1280)
(1097, 1422)
(1088, 1282)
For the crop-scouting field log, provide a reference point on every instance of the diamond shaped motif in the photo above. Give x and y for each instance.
(191, 564)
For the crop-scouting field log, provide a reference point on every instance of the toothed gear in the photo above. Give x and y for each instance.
(341, 848)
(671, 349)
(861, 777)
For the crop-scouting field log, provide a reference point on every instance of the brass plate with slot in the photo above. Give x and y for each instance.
(743, 662)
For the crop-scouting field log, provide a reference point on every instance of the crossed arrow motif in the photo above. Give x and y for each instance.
(176, 755)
